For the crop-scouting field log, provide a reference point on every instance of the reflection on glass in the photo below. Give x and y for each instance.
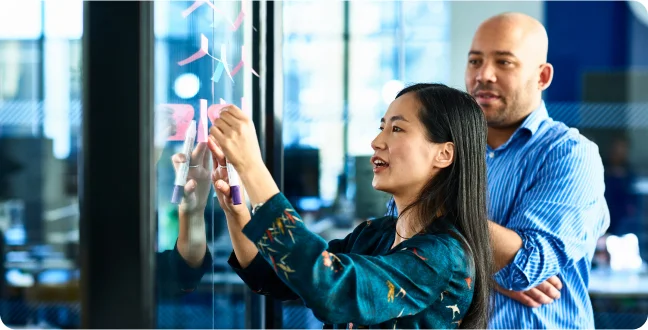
(40, 113)
(202, 60)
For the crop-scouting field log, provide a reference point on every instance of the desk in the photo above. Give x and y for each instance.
(619, 300)
(608, 284)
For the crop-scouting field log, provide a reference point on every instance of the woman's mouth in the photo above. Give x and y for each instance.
(379, 164)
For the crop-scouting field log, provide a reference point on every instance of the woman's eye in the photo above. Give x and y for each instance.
(397, 129)
(381, 128)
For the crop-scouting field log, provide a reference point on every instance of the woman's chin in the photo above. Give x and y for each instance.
(381, 187)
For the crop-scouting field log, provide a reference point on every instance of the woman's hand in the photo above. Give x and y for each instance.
(196, 190)
(221, 184)
(235, 137)
(192, 236)
(234, 134)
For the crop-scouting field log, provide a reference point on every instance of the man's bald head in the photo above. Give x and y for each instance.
(507, 68)
(526, 30)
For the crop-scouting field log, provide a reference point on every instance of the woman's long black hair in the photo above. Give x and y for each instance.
(459, 190)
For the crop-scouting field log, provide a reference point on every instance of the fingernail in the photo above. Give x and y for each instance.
(219, 185)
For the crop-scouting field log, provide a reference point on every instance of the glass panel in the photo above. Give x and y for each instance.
(313, 57)
(604, 96)
(57, 22)
(21, 19)
(40, 125)
(200, 62)
(334, 193)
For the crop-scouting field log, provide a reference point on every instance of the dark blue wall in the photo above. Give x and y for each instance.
(591, 36)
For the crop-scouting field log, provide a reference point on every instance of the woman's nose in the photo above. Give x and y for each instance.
(378, 142)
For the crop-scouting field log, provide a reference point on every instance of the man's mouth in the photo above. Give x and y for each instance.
(486, 95)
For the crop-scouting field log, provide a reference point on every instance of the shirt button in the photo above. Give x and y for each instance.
(491, 154)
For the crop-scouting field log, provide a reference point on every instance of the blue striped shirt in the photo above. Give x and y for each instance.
(546, 184)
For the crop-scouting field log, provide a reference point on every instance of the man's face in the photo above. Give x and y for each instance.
(501, 74)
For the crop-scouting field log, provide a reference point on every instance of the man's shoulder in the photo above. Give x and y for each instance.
(556, 137)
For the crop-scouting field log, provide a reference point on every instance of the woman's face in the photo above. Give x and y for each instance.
(404, 159)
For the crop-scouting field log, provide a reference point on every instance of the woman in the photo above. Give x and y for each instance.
(428, 268)
(179, 270)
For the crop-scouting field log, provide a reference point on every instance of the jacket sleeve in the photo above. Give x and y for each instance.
(261, 278)
(346, 287)
(175, 277)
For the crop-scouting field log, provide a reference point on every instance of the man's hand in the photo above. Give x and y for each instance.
(543, 294)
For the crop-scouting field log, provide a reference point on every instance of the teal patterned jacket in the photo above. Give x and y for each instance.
(359, 281)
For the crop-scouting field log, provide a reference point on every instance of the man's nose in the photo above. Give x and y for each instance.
(486, 74)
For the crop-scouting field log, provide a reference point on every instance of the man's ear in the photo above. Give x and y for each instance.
(546, 76)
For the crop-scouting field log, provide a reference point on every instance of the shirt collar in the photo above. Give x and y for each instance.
(533, 121)
(530, 124)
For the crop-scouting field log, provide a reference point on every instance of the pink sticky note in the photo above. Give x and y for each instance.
(202, 124)
(198, 3)
(214, 111)
(193, 7)
(239, 20)
(242, 63)
(204, 50)
(245, 107)
(237, 68)
(182, 115)
(222, 14)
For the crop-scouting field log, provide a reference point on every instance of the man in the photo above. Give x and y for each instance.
(545, 182)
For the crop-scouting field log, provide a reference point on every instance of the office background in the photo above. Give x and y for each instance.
(326, 72)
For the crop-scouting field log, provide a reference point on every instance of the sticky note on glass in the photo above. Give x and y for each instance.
(182, 115)
(243, 63)
(222, 66)
(203, 123)
(204, 50)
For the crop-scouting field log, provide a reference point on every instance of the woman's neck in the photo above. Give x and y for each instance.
(406, 226)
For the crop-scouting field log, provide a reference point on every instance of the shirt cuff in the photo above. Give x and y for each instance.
(513, 276)
(265, 216)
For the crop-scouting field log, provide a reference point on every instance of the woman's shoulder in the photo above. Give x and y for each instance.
(373, 225)
(380, 224)
(364, 237)
(435, 241)
(440, 248)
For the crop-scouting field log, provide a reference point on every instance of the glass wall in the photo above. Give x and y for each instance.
(344, 62)
(604, 95)
(40, 116)
(202, 59)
